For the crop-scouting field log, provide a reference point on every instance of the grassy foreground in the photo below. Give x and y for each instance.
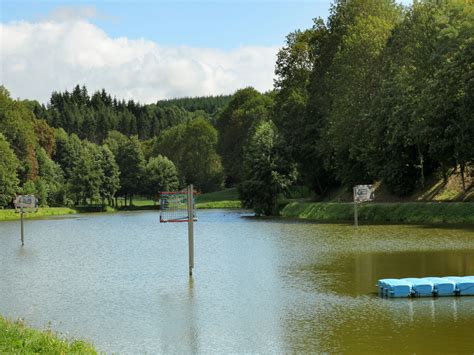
(422, 213)
(16, 338)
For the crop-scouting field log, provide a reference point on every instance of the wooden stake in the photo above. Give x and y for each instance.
(191, 228)
(22, 229)
(356, 217)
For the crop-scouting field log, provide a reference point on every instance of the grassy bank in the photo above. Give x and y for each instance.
(10, 215)
(16, 338)
(228, 198)
(422, 213)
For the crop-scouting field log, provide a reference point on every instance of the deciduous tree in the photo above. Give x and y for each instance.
(268, 170)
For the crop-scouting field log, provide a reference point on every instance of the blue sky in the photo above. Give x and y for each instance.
(216, 24)
(146, 50)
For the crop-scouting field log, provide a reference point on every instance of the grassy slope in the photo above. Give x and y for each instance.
(435, 190)
(437, 202)
(228, 198)
(429, 213)
(16, 338)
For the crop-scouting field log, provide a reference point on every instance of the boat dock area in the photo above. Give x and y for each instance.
(427, 287)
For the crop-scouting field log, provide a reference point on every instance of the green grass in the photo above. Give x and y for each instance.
(219, 204)
(142, 202)
(417, 213)
(228, 198)
(16, 338)
(10, 215)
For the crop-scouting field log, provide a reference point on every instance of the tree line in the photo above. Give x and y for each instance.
(91, 117)
(61, 169)
(377, 92)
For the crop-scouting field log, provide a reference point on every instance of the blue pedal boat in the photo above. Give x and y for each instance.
(443, 286)
(421, 287)
(464, 284)
(396, 288)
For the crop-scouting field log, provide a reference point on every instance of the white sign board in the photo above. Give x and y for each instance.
(363, 193)
(25, 201)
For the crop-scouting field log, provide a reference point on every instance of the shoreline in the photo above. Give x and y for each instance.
(429, 213)
(8, 215)
(432, 213)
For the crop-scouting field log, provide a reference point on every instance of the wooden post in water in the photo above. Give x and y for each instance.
(191, 228)
(22, 229)
(356, 217)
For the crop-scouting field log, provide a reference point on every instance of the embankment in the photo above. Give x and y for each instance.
(10, 215)
(412, 212)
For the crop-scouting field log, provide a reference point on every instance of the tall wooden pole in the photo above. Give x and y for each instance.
(191, 228)
(22, 229)
(356, 217)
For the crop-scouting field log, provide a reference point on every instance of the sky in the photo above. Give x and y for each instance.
(146, 50)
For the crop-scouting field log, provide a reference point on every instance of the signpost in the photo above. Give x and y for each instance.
(362, 193)
(25, 204)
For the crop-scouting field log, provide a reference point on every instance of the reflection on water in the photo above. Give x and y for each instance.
(360, 272)
(259, 286)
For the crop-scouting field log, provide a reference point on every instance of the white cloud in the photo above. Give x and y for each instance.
(38, 58)
(71, 12)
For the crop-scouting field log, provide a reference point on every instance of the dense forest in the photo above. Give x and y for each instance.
(209, 104)
(377, 92)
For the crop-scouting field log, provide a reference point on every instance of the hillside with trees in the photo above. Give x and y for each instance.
(208, 104)
(377, 93)
(382, 93)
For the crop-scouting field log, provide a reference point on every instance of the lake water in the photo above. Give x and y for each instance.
(121, 281)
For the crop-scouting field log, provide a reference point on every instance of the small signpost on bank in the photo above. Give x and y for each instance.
(25, 204)
(362, 193)
(178, 206)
